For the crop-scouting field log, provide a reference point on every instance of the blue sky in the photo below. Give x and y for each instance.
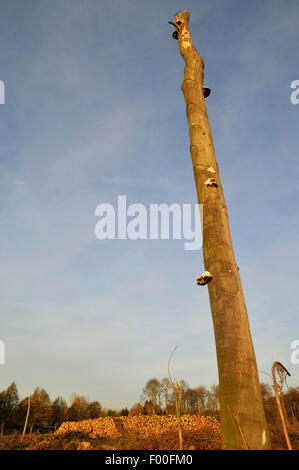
(94, 110)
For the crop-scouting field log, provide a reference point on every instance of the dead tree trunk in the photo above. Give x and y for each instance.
(243, 421)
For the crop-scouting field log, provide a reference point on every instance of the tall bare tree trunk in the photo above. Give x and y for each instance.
(26, 419)
(243, 423)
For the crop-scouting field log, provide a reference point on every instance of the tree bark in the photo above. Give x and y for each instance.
(241, 408)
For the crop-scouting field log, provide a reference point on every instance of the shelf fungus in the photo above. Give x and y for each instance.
(211, 170)
(206, 91)
(211, 182)
(204, 279)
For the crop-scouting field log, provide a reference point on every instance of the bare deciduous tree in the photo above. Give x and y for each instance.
(152, 393)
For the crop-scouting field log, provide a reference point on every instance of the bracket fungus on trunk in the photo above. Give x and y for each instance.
(211, 170)
(204, 279)
(206, 91)
(211, 182)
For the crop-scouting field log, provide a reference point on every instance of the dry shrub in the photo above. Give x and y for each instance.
(278, 439)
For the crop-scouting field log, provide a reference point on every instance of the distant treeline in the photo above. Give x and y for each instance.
(157, 397)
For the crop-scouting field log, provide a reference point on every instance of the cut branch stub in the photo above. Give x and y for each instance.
(204, 279)
(175, 34)
(176, 25)
(211, 182)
